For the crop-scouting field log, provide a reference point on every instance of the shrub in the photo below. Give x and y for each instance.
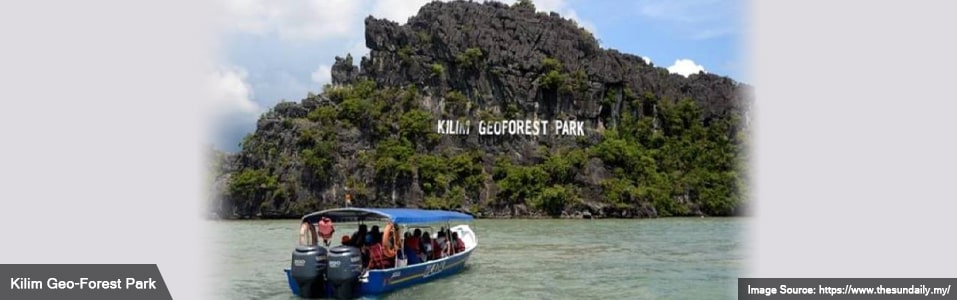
(424, 37)
(437, 70)
(466, 169)
(553, 79)
(521, 184)
(431, 170)
(470, 58)
(524, 4)
(251, 186)
(325, 114)
(512, 110)
(354, 110)
(551, 64)
(455, 97)
(319, 159)
(456, 102)
(559, 168)
(554, 199)
(579, 81)
(405, 54)
(392, 158)
(619, 192)
(415, 124)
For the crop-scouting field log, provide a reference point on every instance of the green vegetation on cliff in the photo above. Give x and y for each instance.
(670, 163)
(655, 144)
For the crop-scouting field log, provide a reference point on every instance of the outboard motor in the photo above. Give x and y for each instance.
(345, 266)
(309, 270)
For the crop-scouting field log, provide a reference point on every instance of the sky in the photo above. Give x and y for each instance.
(279, 50)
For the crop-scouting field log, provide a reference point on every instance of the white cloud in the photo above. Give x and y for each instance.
(244, 15)
(358, 50)
(230, 106)
(680, 11)
(563, 8)
(685, 67)
(292, 19)
(711, 33)
(646, 59)
(230, 92)
(322, 75)
(400, 10)
(570, 14)
(397, 10)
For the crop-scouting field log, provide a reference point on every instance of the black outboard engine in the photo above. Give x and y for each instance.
(345, 266)
(309, 270)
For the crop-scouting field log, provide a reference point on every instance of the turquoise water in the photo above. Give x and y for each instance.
(672, 258)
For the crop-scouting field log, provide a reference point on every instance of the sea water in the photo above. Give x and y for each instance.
(668, 258)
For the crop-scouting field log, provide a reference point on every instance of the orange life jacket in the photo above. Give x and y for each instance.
(377, 258)
(390, 240)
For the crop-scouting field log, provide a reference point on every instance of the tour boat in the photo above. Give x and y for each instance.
(320, 271)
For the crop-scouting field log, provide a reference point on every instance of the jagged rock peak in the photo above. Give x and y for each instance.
(343, 71)
(493, 52)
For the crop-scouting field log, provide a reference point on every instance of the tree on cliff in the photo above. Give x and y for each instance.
(656, 144)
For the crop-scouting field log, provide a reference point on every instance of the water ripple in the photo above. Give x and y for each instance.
(528, 259)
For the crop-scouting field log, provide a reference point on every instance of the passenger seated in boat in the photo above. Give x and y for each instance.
(346, 241)
(376, 235)
(406, 237)
(426, 247)
(360, 241)
(459, 245)
(377, 257)
(358, 238)
(410, 251)
(417, 236)
(415, 242)
(364, 249)
(439, 246)
(450, 243)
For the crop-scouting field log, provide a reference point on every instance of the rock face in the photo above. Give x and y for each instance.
(343, 71)
(462, 60)
(514, 43)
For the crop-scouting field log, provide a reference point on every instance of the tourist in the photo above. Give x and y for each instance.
(376, 235)
(358, 238)
(414, 241)
(426, 247)
(377, 258)
(411, 249)
(459, 245)
(365, 249)
(440, 246)
(346, 241)
(326, 229)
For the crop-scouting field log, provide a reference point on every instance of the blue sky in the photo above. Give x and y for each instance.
(273, 50)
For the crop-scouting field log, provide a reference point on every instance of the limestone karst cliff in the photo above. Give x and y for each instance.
(655, 144)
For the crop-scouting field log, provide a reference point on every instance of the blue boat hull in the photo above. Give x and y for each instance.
(384, 281)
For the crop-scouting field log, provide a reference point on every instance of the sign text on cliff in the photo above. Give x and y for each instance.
(513, 127)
